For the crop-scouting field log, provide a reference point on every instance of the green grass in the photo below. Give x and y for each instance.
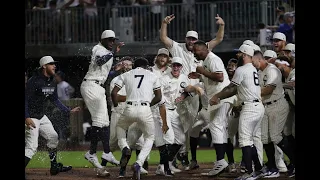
(77, 160)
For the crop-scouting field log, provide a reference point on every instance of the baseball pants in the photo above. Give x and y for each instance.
(218, 124)
(95, 99)
(289, 128)
(250, 123)
(43, 128)
(160, 138)
(179, 134)
(142, 115)
(113, 141)
(273, 122)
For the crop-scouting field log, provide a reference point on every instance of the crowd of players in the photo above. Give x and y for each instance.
(193, 91)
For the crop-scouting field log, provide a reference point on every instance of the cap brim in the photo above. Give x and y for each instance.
(48, 63)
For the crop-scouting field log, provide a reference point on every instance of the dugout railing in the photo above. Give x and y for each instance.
(142, 23)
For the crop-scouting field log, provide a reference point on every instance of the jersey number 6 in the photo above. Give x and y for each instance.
(141, 78)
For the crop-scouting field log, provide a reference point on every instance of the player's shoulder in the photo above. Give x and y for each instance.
(272, 68)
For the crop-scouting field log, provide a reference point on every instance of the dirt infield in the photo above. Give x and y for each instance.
(89, 174)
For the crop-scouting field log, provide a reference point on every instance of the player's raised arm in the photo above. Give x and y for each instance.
(163, 31)
(220, 34)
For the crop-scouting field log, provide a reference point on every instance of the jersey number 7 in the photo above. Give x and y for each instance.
(141, 78)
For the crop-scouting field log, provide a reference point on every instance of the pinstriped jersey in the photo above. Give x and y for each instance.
(101, 71)
(172, 88)
(247, 79)
(213, 63)
(139, 84)
(271, 76)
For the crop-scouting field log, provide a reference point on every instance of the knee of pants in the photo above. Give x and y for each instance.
(150, 137)
(53, 141)
(245, 142)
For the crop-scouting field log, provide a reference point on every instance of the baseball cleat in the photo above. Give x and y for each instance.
(143, 171)
(110, 158)
(218, 167)
(232, 168)
(172, 168)
(92, 158)
(193, 165)
(160, 170)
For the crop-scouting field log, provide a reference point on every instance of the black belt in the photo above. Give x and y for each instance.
(142, 104)
(268, 103)
(95, 81)
(256, 100)
(172, 109)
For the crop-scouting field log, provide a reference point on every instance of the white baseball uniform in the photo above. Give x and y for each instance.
(249, 94)
(218, 113)
(115, 115)
(189, 65)
(91, 87)
(276, 106)
(172, 88)
(139, 85)
(160, 138)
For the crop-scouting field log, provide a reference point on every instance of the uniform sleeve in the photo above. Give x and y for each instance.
(119, 82)
(103, 57)
(274, 77)
(215, 66)
(156, 84)
(237, 77)
(174, 49)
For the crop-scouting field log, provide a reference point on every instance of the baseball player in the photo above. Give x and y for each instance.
(184, 51)
(41, 89)
(124, 65)
(174, 84)
(245, 83)
(162, 141)
(140, 85)
(233, 119)
(215, 78)
(275, 116)
(94, 96)
(289, 130)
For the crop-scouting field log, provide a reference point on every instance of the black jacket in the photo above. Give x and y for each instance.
(41, 91)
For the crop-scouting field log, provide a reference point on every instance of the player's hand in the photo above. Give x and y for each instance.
(199, 91)
(181, 98)
(272, 60)
(200, 69)
(165, 128)
(219, 20)
(193, 75)
(214, 101)
(168, 19)
(118, 46)
(76, 109)
(30, 124)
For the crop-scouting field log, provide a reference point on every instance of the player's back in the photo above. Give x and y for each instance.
(249, 87)
(140, 84)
